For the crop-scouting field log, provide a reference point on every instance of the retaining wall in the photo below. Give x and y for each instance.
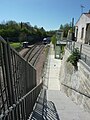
(76, 84)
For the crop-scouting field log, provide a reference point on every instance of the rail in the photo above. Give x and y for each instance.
(83, 48)
(84, 94)
(22, 109)
(28, 53)
(33, 54)
(33, 60)
(17, 79)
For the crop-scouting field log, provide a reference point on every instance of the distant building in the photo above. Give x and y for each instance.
(59, 35)
(82, 28)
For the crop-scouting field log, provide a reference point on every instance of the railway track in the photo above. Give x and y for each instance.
(27, 53)
(32, 54)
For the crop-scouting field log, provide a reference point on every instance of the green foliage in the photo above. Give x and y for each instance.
(51, 33)
(53, 39)
(16, 32)
(74, 57)
(62, 49)
(61, 27)
(65, 29)
(16, 45)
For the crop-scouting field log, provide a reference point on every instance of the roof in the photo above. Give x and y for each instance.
(87, 14)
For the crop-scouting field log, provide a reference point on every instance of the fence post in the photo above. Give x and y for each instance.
(10, 71)
(73, 46)
(85, 58)
(11, 77)
(80, 50)
(7, 74)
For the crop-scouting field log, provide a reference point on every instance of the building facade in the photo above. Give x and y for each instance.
(82, 28)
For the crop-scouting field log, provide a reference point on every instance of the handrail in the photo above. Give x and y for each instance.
(20, 100)
(21, 57)
(83, 49)
(18, 79)
(88, 96)
(2, 40)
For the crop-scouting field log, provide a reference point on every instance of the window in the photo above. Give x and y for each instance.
(82, 32)
(76, 33)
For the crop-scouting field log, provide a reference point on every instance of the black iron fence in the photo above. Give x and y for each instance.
(84, 50)
(18, 90)
(23, 107)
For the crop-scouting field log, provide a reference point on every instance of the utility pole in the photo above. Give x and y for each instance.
(72, 24)
(73, 29)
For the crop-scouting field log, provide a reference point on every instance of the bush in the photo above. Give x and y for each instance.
(16, 45)
(74, 57)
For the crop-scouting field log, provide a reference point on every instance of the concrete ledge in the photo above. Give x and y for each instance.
(85, 65)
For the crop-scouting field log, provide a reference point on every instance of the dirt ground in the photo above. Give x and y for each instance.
(40, 64)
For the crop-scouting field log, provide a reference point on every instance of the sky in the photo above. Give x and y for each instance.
(49, 14)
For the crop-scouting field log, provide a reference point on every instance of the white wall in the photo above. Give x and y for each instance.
(82, 23)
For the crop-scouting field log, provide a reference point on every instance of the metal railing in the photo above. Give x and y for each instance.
(76, 90)
(22, 109)
(83, 49)
(17, 84)
(85, 58)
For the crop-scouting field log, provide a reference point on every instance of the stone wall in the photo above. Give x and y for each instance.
(76, 84)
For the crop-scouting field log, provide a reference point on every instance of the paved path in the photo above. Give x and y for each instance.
(67, 109)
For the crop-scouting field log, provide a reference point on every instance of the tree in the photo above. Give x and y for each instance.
(22, 37)
(65, 28)
(61, 27)
(53, 39)
(23, 31)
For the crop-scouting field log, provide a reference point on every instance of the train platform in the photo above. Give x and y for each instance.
(52, 103)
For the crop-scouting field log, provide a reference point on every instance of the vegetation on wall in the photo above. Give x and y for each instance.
(74, 57)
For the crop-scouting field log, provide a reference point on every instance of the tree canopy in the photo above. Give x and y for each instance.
(65, 29)
(22, 32)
